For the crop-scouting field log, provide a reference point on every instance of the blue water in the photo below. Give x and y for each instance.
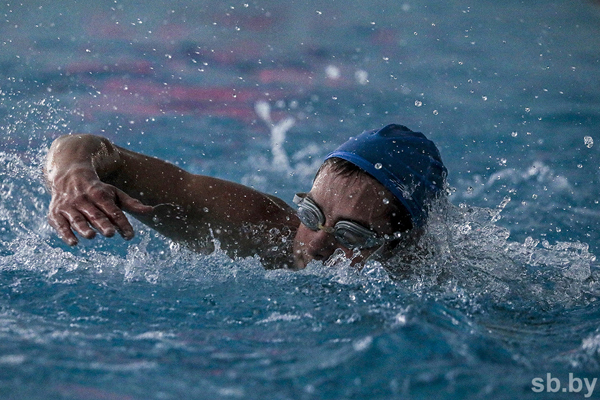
(510, 92)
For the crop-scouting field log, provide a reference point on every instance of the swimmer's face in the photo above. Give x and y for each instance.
(352, 198)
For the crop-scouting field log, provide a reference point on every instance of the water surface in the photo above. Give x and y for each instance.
(508, 294)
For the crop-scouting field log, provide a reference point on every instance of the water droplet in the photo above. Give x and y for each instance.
(386, 201)
(435, 112)
(378, 166)
(589, 142)
(514, 134)
(362, 77)
(333, 72)
(418, 103)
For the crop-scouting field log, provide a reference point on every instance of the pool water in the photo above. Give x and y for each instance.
(504, 304)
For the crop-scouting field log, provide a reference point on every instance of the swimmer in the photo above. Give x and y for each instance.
(369, 197)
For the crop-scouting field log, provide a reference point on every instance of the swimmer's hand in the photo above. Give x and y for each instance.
(82, 203)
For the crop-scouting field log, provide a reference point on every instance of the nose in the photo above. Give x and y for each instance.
(321, 245)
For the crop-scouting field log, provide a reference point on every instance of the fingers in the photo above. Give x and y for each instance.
(131, 204)
(100, 211)
(62, 227)
(115, 218)
(87, 220)
(98, 219)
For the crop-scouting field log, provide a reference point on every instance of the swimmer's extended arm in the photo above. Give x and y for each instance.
(93, 181)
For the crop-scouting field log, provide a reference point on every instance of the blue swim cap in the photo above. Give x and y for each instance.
(405, 162)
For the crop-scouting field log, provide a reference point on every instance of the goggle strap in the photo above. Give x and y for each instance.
(298, 198)
(326, 228)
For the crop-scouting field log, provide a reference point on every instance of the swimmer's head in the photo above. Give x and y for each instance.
(405, 162)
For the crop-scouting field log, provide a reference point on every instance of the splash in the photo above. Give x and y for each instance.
(465, 250)
(278, 133)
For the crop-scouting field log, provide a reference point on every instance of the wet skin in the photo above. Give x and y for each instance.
(93, 182)
(356, 198)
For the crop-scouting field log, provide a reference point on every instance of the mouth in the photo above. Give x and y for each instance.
(299, 259)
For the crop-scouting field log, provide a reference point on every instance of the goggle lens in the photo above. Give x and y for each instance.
(309, 218)
(349, 234)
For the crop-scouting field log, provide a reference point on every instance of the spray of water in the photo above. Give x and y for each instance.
(464, 249)
(278, 133)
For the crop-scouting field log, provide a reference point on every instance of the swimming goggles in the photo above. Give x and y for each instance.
(347, 233)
